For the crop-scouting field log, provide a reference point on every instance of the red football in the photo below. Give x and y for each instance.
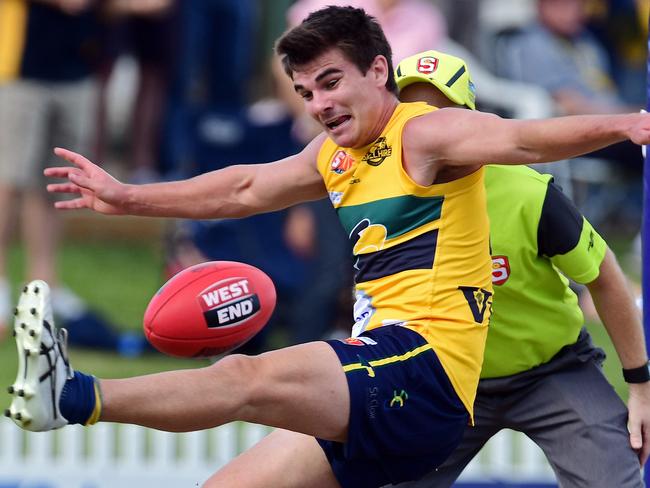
(209, 309)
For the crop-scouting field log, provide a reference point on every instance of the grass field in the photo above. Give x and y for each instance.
(118, 278)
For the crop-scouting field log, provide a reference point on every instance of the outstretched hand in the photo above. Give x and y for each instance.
(640, 131)
(96, 189)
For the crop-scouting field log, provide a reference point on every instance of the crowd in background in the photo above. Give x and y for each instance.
(208, 93)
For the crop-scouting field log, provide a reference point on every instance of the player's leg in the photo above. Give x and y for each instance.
(282, 459)
(301, 388)
(579, 421)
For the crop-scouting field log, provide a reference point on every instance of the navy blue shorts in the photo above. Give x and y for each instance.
(405, 416)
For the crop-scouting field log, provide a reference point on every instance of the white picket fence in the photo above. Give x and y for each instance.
(110, 455)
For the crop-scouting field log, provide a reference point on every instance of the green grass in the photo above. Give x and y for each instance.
(116, 278)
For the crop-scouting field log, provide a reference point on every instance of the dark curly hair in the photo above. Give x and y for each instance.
(356, 34)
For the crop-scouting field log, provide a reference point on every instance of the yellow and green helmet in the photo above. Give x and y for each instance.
(446, 72)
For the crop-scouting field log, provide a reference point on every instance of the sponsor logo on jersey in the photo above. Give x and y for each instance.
(359, 341)
(379, 151)
(478, 299)
(341, 162)
(367, 237)
(500, 270)
(336, 197)
(228, 302)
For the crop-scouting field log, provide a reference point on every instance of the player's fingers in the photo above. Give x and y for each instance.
(636, 437)
(63, 188)
(57, 171)
(70, 204)
(644, 452)
(73, 157)
(81, 180)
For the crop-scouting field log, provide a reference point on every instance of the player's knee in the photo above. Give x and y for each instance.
(242, 374)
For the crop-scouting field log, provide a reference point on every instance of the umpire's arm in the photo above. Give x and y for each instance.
(621, 318)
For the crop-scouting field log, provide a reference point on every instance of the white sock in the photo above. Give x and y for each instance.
(66, 304)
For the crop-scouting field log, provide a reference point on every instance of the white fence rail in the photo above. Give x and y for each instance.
(110, 455)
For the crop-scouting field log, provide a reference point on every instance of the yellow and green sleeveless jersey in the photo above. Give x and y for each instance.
(537, 238)
(421, 254)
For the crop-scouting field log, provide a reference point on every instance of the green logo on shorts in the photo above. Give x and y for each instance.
(398, 399)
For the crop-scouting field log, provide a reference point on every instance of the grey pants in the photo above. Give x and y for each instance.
(565, 406)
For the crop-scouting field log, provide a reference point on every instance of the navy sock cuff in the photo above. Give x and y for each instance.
(78, 399)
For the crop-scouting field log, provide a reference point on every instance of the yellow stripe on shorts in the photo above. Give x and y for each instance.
(13, 27)
(392, 359)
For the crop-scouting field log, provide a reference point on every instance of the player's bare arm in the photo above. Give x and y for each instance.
(621, 318)
(232, 192)
(461, 137)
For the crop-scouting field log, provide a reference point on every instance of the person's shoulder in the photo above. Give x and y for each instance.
(431, 127)
(521, 182)
(430, 117)
(518, 171)
(421, 124)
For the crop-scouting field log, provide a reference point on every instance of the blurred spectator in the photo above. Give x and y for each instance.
(211, 69)
(145, 30)
(47, 95)
(622, 27)
(463, 22)
(48, 52)
(559, 53)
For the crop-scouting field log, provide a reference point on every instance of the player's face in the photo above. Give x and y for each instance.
(348, 104)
